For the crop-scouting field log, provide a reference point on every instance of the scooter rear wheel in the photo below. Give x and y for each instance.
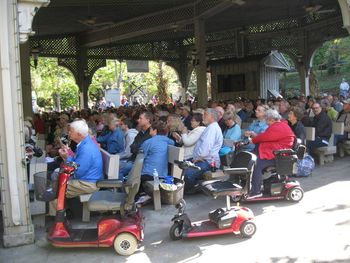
(175, 231)
(247, 229)
(125, 244)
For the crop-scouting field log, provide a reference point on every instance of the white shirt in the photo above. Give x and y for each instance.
(209, 144)
(344, 86)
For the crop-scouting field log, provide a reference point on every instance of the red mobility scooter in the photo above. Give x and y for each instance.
(123, 230)
(228, 220)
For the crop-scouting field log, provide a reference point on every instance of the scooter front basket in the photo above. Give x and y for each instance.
(45, 186)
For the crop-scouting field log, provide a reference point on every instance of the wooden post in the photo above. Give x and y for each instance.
(201, 64)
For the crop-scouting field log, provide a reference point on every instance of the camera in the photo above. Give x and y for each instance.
(65, 140)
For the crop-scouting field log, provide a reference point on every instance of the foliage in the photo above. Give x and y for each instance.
(162, 84)
(131, 84)
(49, 79)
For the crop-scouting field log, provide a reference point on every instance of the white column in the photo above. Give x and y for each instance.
(345, 11)
(18, 228)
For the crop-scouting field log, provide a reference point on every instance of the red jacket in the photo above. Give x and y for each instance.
(277, 136)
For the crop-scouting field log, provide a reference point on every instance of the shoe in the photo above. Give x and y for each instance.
(143, 199)
(253, 196)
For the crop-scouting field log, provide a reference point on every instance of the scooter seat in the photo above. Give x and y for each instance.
(217, 188)
(106, 201)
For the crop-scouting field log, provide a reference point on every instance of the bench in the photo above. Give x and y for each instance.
(344, 147)
(174, 153)
(326, 154)
(110, 170)
(37, 208)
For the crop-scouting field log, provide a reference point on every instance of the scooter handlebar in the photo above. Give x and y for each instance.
(186, 165)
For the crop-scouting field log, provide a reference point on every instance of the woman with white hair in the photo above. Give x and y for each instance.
(277, 136)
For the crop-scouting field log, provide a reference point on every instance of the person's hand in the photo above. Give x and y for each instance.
(247, 133)
(250, 134)
(176, 136)
(63, 152)
(197, 160)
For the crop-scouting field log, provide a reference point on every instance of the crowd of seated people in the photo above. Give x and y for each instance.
(126, 130)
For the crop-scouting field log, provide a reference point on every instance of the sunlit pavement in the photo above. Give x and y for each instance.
(315, 230)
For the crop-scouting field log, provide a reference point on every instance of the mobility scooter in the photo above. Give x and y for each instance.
(124, 230)
(276, 182)
(237, 220)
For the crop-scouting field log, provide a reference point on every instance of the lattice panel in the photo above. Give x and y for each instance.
(283, 42)
(55, 47)
(221, 35)
(71, 64)
(188, 41)
(273, 26)
(95, 64)
(257, 47)
(158, 50)
(225, 51)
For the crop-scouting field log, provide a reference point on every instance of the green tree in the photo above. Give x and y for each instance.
(49, 79)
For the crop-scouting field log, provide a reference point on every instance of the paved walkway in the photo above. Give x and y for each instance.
(315, 230)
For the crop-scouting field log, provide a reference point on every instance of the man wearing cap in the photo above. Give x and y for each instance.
(344, 116)
(186, 116)
(344, 88)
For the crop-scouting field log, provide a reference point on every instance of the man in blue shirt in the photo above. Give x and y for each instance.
(206, 150)
(258, 126)
(155, 151)
(89, 158)
(114, 140)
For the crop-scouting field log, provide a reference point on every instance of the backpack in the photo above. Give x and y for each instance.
(305, 166)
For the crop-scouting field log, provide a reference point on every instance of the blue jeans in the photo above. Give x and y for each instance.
(340, 138)
(318, 142)
(193, 175)
(124, 169)
(257, 179)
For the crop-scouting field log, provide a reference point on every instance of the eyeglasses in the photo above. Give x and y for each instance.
(315, 108)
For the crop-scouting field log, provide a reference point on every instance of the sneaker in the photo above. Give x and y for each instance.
(253, 196)
(143, 199)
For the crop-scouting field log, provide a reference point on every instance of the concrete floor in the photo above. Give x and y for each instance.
(315, 230)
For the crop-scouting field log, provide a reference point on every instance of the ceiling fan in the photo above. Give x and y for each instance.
(91, 21)
(313, 9)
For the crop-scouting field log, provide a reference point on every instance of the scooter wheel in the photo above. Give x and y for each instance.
(295, 194)
(236, 198)
(175, 231)
(125, 244)
(248, 229)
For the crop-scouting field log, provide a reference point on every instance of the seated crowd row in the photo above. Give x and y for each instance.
(202, 132)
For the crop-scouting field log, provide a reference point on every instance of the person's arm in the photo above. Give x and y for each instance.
(192, 137)
(129, 139)
(272, 134)
(206, 143)
(139, 139)
(103, 138)
(84, 159)
(117, 142)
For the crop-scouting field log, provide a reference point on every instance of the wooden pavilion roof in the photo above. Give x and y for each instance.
(164, 29)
